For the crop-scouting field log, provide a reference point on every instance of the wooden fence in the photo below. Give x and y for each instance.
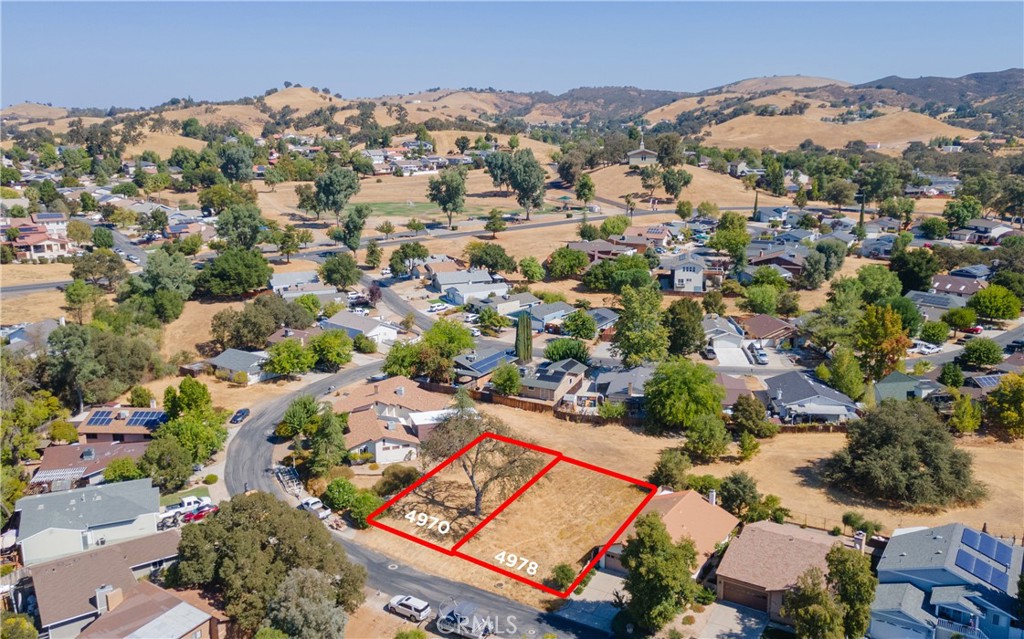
(521, 403)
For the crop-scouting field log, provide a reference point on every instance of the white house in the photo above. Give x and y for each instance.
(55, 223)
(233, 361)
(465, 293)
(65, 523)
(687, 274)
(354, 325)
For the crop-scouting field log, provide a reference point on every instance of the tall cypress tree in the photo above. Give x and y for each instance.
(524, 339)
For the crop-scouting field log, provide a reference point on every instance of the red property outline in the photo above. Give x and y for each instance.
(558, 458)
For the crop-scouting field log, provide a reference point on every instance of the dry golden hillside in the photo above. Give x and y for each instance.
(446, 143)
(672, 111)
(162, 144)
(614, 182)
(756, 85)
(302, 99)
(894, 131)
(60, 125)
(31, 111)
(246, 116)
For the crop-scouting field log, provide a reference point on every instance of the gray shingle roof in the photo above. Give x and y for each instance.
(938, 300)
(543, 311)
(603, 316)
(236, 360)
(797, 387)
(550, 374)
(903, 598)
(89, 507)
(617, 382)
(350, 321)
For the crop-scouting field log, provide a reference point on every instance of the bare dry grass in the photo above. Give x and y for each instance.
(684, 105)
(246, 116)
(162, 144)
(814, 299)
(756, 85)
(229, 396)
(615, 182)
(192, 329)
(302, 99)
(580, 510)
(60, 125)
(19, 274)
(31, 111)
(33, 307)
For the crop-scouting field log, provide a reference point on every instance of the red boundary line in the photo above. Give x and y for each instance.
(559, 457)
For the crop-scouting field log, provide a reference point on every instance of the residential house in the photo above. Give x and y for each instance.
(959, 286)
(900, 386)
(604, 318)
(796, 398)
(878, 247)
(233, 363)
(949, 581)
(790, 258)
(597, 250)
(964, 235)
(934, 305)
(550, 381)
(766, 216)
(738, 168)
(65, 523)
(1012, 364)
(506, 304)
(122, 424)
(849, 239)
(105, 593)
(624, 385)
(462, 294)
(655, 235)
(974, 272)
(746, 276)
(722, 332)
(388, 419)
(768, 330)
(442, 281)
(686, 273)
(764, 562)
(65, 467)
(31, 339)
(548, 316)
(481, 362)
(733, 386)
(430, 267)
(33, 243)
(353, 325)
(685, 514)
(54, 223)
(418, 145)
(988, 230)
(881, 225)
(796, 236)
(301, 335)
(642, 156)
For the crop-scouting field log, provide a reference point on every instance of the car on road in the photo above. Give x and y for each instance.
(239, 415)
(385, 272)
(437, 308)
(315, 506)
(708, 353)
(974, 330)
(1015, 346)
(199, 514)
(119, 251)
(411, 608)
(475, 332)
(379, 377)
(928, 349)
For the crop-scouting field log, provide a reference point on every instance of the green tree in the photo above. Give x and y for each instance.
(363, 505)
(300, 419)
(685, 332)
(738, 493)
(499, 167)
(327, 448)
(613, 226)
(394, 479)
(331, 349)
(448, 191)
(951, 375)
(385, 228)
(567, 348)
(580, 325)
(62, 431)
(749, 446)
(900, 453)
(671, 470)
(306, 605)
(527, 179)
(1004, 406)
(168, 272)
(851, 580)
(760, 299)
(167, 463)
(228, 555)
(935, 228)
(910, 318)
(658, 582)
(814, 610)
(995, 303)
(333, 189)
(840, 193)
(674, 181)
(374, 254)
(880, 340)
(713, 303)
(749, 416)
(122, 469)
(982, 352)
(18, 626)
(678, 393)
(234, 272)
(843, 373)
(960, 319)
(506, 379)
(531, 269)
(708, 209)
(524, 338)
(340, 270)
(240, 226)
(706, 438)
(102, 237)
(585, 191)
(566, 262)
(289, 358)
(800, 199)
(639, 333)
(462, 143)
(878, 283)
(960, 211)
(340, 494)
(287, 241)
(79, 299)
(101, 267)
(415, 226)
(966, 415)
(768, 276)
(731, 236)
(201, 433)
(491, 321)
(140, 397)
(236, 163)
(495, 223)
(490, 256)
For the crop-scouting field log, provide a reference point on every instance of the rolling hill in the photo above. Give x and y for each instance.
(967, 89)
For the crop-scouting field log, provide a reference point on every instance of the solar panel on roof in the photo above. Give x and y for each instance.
(100, 418)
(1004, 554)
(987, 545)
(1000, 580)
(982, 571)
(965, 560)
(970, 538)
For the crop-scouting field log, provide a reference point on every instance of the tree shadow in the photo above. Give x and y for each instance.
(810, 476)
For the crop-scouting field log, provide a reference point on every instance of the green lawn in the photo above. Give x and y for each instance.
(200, 491)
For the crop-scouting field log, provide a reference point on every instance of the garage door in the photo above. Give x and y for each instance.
(744, 596)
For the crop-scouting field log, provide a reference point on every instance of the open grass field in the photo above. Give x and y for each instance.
(162, 144)
(246, 116)
(446, 143)
(32, 307)
(560, 519)
(60, 125)
(303, 99)
(772, 83)
(615, 182)
(18, 274)
(192, 329)
(30, 111)
(449, 497)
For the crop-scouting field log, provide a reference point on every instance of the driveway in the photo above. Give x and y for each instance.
(731, 356)
(728, 621)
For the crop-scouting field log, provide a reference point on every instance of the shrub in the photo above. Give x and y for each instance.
(363, 344)
(705, 596)
(7, 569)
(612, 411)
(339, 495)
(836, 531)
(363, 503)
(689, 620)
(62, 431)
(210, 479)
(140, 397)
(395, 479)
(562, 576)
(373, 466)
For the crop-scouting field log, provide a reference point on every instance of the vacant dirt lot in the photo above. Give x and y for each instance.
(787, 467)
(192, 328)
(33, 307)
(450, 497)
(615, 182)
(560, 519)
(18, 274)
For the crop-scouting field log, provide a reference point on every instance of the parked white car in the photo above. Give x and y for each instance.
(411, 608)
(315, 506)
(437, 308)
(385, 272)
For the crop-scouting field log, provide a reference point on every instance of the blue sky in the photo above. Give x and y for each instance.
(143, 53)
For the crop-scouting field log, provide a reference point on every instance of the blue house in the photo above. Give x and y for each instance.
(938, 583)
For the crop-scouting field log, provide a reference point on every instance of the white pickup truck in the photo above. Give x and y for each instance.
(187, 505)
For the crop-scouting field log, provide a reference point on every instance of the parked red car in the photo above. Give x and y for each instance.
(974, 330)
(199, 514)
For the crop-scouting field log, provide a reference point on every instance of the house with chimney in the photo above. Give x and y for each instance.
(796, 398)
(79, 465)
(53, 525)
(388, 419)
(550, 381)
